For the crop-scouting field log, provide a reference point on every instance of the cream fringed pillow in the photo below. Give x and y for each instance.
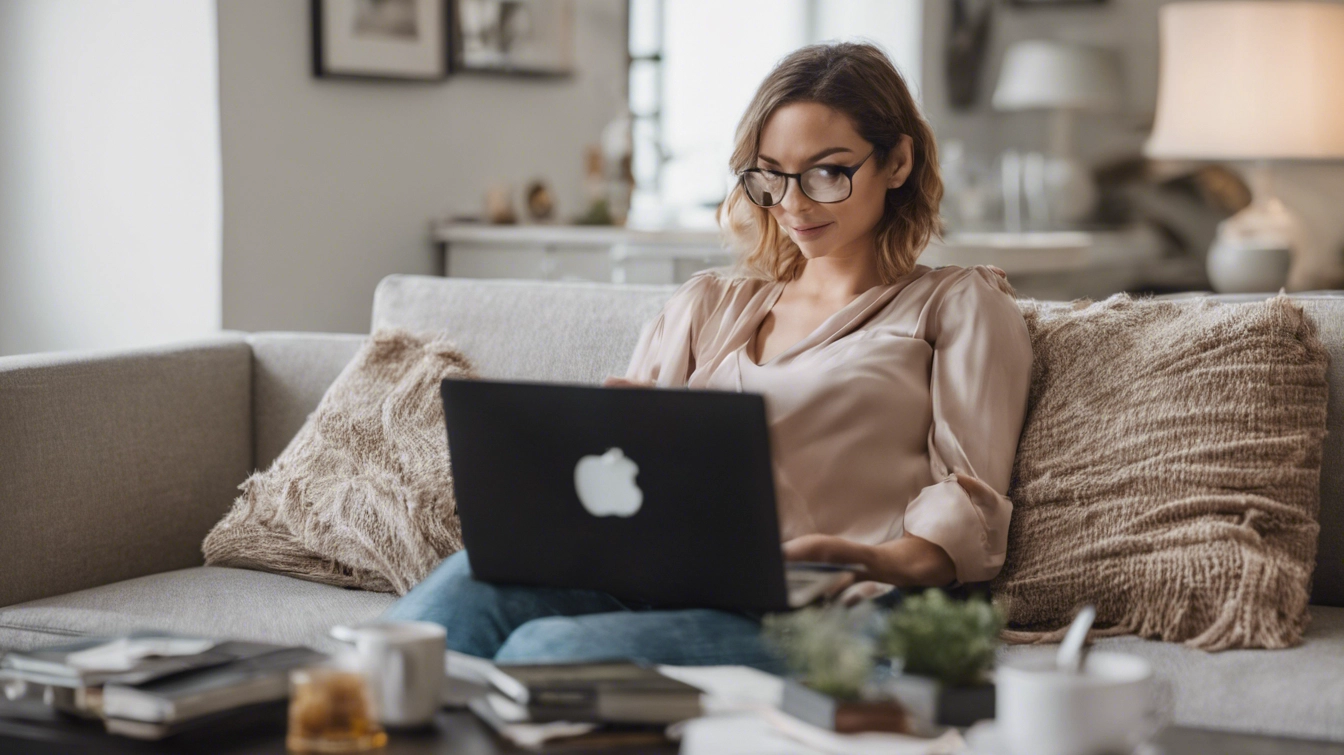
(1168, 472)
(362, 496)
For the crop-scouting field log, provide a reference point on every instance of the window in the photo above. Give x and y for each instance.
(694, 66)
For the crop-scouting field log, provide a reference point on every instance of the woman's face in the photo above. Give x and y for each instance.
(801, 135)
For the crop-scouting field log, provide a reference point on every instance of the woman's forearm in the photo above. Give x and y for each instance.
(907, 561)
(910, 561)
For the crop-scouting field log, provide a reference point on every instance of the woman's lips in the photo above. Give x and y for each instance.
(809, 231)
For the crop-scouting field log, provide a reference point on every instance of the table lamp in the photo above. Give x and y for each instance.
(1256, 82)
(1064, 79)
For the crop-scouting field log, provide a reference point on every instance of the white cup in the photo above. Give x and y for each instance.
(1112, 706)
(404, 662)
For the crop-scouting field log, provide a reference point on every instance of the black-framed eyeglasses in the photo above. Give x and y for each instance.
(826, 184)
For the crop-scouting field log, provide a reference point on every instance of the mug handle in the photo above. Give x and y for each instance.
(344, 633)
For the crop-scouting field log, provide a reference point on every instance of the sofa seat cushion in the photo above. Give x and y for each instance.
(206, 600)
(1293, 692)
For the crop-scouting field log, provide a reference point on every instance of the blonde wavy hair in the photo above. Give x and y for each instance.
(856, 79)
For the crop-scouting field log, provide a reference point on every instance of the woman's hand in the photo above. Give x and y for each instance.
(827, 549)
(612, 381)
(907, 561)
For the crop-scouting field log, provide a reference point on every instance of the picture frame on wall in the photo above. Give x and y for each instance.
(527, 37)
(1052, 3)
(383, 39)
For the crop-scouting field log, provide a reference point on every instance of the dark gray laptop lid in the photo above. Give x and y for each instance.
(704, 531)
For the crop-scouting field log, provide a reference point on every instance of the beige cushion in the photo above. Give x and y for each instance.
(1169, 472)
(362, 496)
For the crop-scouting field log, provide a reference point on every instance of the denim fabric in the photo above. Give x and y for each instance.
(518, 624)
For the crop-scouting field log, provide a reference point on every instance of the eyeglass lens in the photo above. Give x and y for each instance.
(820, 184)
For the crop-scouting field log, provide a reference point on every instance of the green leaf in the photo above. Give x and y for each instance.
(830, 649)
(951, 640)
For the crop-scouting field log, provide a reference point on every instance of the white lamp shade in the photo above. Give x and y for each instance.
(1044, 74)
(1250, 80)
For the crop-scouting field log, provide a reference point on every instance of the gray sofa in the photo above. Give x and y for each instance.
(114, 465)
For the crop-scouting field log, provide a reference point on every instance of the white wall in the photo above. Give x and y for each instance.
(330, 185)
(109, 173)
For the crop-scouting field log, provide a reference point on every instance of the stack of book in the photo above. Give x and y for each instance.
(616, 702)
(150, 685)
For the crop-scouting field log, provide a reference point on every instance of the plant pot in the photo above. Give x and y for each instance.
(933, 704)
(844, 716)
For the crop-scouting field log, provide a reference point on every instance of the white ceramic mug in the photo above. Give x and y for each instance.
(1112, 706)
(404, 661)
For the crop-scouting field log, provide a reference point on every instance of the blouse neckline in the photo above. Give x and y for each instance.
(839, 324)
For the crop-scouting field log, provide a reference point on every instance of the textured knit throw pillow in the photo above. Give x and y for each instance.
(362, 496)
(1168, 472)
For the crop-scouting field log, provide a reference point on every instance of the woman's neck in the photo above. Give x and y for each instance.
(838, 276)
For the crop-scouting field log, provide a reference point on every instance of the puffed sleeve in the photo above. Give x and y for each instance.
(665, 352)
(979, 381)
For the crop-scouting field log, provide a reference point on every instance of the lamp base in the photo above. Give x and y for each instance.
(1253, 249)
(1248, 269)
(1070, 189)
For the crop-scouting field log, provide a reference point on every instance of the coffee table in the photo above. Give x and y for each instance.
(457, 732)
(460, 733)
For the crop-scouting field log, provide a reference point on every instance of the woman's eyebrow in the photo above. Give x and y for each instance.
(811, 159)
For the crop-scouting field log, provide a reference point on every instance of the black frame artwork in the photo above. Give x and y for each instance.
(1052, 3)
(559, 21)
(343, 59)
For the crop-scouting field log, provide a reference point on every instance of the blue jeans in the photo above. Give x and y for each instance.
(517, 624)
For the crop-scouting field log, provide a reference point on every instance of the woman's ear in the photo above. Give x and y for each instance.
(902, 162)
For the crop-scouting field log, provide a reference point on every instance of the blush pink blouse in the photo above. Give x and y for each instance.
(899, 414)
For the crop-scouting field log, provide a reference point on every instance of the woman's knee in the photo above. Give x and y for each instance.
(452, 569)
(450, 596)
(426, 594)
(553, 638)
(688, 637)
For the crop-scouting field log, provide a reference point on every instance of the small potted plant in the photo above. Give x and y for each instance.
(831, 653)
(941, 651)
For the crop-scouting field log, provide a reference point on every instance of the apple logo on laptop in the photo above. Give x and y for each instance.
(606, 484)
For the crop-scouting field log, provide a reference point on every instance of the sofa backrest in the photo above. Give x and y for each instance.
(580, 332)
(525, 330)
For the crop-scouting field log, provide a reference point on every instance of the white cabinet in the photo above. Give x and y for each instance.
(1046, 265)
(594, 253)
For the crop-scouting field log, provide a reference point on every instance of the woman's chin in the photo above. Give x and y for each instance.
(812, 249)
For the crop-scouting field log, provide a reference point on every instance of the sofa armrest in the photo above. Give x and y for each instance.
(290, 374)
(115, 464)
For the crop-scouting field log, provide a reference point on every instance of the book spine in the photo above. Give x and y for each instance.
(562, 697)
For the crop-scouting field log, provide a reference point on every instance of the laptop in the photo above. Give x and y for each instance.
(665, 497)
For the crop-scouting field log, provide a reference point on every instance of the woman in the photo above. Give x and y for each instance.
(895, 392)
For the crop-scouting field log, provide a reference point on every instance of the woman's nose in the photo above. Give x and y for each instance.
(795, 202)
